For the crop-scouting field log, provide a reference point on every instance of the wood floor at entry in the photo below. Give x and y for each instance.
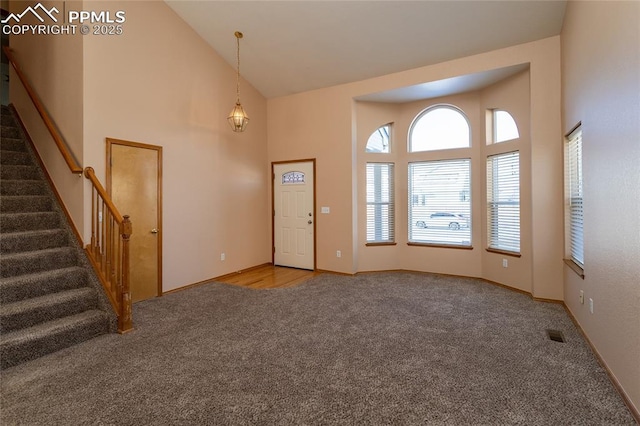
(268, 276)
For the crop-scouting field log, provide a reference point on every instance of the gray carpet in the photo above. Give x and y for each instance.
(384, 348)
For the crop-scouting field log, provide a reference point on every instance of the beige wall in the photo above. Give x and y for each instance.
(53, 65)
(318, 125)
(601, 85)
(325, 124)
(159, 83)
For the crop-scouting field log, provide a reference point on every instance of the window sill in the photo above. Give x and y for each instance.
(451, 246)
(385, 243)
(575, 267)
(505, 252)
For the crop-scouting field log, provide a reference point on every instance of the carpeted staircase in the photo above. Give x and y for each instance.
(49, 297)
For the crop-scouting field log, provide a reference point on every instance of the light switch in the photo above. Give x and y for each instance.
(325, 210)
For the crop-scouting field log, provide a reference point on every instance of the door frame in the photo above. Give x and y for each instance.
(273, 207)
(110, 143)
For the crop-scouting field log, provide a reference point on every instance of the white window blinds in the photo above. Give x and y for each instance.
(503, 201)
(380, 203)
(440, 202)
(573, 176)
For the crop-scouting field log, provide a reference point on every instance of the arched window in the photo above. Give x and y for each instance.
(379, 140)
(439, 127)
(504, 126)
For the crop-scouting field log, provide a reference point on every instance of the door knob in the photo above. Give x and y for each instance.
(154, 231)
(309, 222)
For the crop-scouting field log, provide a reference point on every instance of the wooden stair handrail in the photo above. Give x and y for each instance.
(90, 174)
(74, 167)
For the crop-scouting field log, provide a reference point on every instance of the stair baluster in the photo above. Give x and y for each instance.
(111, 264)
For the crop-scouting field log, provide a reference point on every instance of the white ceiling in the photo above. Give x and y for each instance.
(295, 46)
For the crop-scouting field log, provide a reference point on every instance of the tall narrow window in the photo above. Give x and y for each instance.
(573, 178)
(440, 202)
(503, 202)
(380, 203)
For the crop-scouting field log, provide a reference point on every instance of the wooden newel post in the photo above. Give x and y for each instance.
(124, 317)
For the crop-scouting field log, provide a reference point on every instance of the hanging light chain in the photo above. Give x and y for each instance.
(238, 35)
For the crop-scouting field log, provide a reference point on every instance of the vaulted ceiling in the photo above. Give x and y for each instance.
(295, 46)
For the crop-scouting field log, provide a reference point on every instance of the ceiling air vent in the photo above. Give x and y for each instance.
(555, 335)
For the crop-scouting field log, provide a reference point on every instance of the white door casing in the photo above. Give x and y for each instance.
(294, 214)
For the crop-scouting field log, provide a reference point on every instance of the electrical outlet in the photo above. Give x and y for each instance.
(222, 256)
(581, 297)
(591, 305)
(338, 253)
(505, 263)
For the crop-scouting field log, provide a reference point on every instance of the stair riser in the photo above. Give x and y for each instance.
(19, 172)
(18, 243)
(42, 313)
(41, 285)
(25, 204)
(12, 144)
(22, 351)
(37, 262)
(22, 222)
(10, 132)
(14, 158)
(26, 187)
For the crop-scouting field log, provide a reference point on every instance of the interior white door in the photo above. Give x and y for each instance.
(293, 222)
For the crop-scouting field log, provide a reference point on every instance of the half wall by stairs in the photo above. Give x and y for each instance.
(50, 298)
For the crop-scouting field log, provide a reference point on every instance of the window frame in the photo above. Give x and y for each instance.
(410, 202)
(491, 207)
(495, 127)
(574, 190)
(425, 112)
(389, 127)
(390, 205)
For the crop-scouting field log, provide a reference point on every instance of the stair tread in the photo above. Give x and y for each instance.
(26, 213)
(13, 144)
(25, 204)
(6, 148)
(51, 327)
(20, 180)
(23, 234)
(28, 277)
(26, 167)
(26, 241)
(45, 301)
(33, 253)
(25, 197)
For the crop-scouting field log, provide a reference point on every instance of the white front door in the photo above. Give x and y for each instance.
(294, 215)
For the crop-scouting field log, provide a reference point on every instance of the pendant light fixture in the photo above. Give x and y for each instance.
(238, 119)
